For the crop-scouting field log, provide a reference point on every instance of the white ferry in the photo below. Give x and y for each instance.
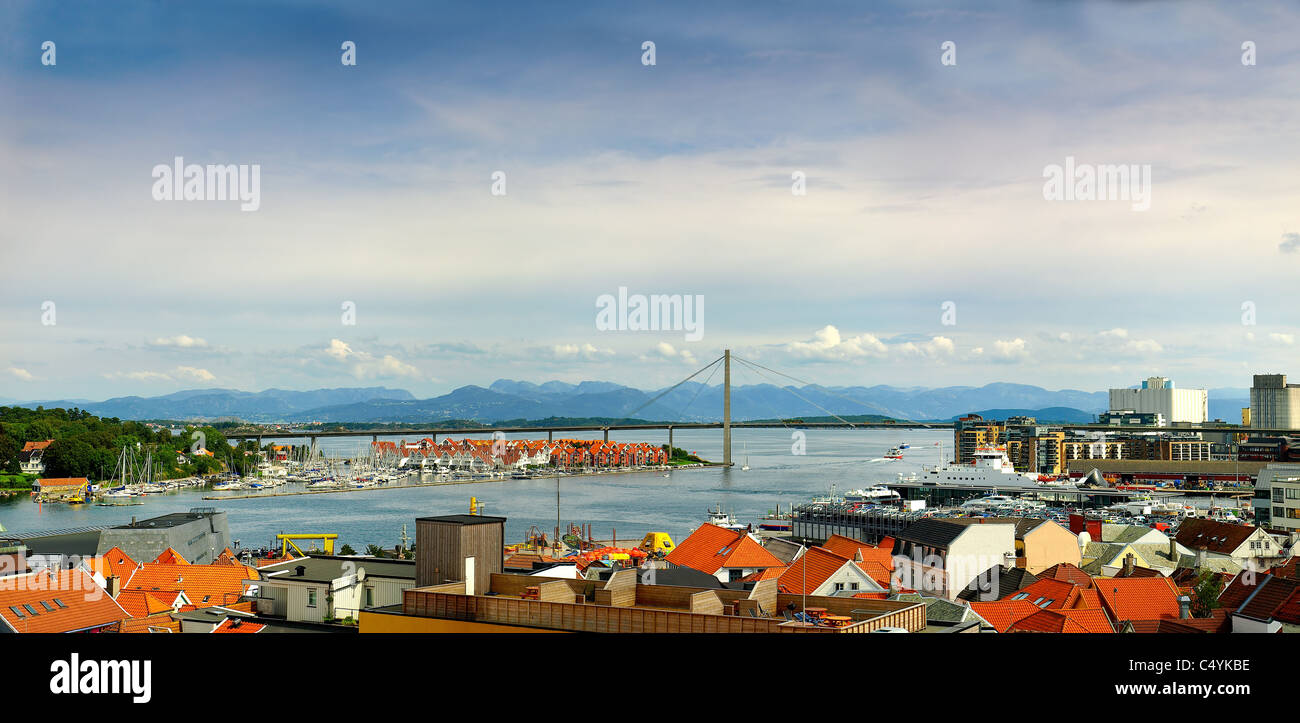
(990, 468)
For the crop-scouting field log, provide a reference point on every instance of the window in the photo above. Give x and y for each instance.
(1278, 494)
(1279, 512)
(370, 597)
(60, 603)
(17, 612)
(311, 597)
(839, 586)
(48, 607)
(853, 586)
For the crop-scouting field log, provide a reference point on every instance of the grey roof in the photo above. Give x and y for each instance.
(932, 532)
(784, 550)
(680, 577)
(175, 519)
(939, 610)
(327, 568)
(999, 581)
(1124, 533)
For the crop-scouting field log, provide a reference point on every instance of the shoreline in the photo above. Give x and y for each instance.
(703, 465)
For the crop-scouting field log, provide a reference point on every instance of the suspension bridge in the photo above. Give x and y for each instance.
(724, 363)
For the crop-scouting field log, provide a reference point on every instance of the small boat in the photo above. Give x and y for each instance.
(777, 521)
(894, 453)
(718, 518)
(904, 445)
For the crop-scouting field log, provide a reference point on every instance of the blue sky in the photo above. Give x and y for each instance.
(924, 185)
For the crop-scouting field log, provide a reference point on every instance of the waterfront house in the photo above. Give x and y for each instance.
(31, 457)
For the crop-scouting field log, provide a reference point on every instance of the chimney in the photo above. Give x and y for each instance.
(1200, 558)
(1129, 563)
(113, 585)
(1173, 550)
(1184, 607)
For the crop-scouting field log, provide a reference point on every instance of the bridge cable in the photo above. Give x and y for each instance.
(659, 396)
(874, 407)
(809, 401)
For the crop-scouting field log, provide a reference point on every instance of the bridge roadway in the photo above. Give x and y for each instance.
(605, 429)
(671, 426)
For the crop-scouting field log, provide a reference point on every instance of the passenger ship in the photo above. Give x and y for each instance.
(989, 467)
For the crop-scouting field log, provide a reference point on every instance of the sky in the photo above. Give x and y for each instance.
(922, 250)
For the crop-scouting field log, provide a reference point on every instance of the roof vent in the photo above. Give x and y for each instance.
(300, 571)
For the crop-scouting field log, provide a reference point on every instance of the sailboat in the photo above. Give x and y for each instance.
(746, 467)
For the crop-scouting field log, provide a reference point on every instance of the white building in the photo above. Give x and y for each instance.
(315, 589)
(1157, 395)
(1277, 497)
(1274, 404)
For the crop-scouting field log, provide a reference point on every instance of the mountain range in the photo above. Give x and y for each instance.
(507, 399)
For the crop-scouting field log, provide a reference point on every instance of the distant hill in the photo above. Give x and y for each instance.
(508, 399)
(1047, 415)
(270, 405)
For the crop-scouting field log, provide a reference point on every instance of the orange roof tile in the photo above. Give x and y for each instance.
(1002, 614)
(86, 605)
(711, 548)
(114, 562)
(1066, 571)
(237, 625)
(813, 568)
(171, 557)
(1139, 598)
(1064, 621)
(153, 624)
(203, 585)
(1048, 594)
(143, 604)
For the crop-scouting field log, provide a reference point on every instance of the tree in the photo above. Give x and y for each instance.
(71, 458)
(374, 550)
(9, 449)
(347, 550)
(1205, 594)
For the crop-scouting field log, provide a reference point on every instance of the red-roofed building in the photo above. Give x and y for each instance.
(1002, 614)
(1050, 594)
(170, 557)
(238, 625)
(113, 563)
(1139, 598)
(728, 555)
(57, 601)
(819, 571)
(1273, 606)
(1069, 573)
(1064, 621)
(202, 585)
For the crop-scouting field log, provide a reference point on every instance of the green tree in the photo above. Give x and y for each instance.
(374, 550)
(1205, 594)
(347, 550)
(71, 458)
(9, 449)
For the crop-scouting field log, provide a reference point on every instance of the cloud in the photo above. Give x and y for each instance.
(667, 351)
(22, 374)
(198, 375)
(1009, 350)
(828, 344)
(1290, 243)
(367, 365)
(587, 352)
(181, 341)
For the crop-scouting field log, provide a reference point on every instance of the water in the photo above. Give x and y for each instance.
(633, 503)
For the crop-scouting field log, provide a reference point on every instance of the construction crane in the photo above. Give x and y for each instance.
(287, 541)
